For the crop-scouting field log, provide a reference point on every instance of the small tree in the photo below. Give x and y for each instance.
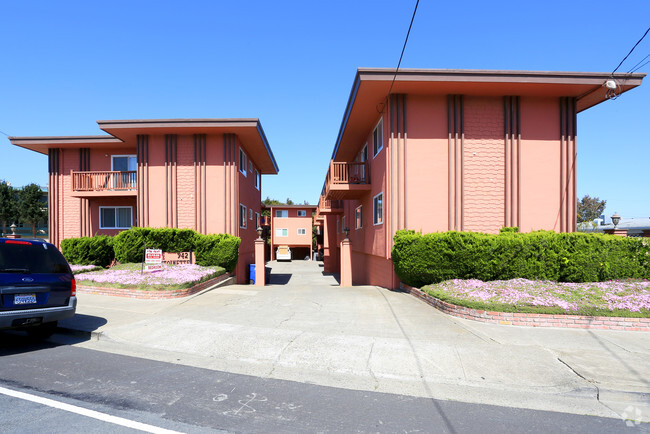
(8, 205)
(590, 208)
(32, 208)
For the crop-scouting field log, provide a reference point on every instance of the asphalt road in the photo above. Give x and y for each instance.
(189, 399)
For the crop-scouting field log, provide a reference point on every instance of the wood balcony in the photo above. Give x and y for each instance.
(329, 206)
(103, 183)
(347, 180)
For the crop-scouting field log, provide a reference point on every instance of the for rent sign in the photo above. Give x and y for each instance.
(153, 259)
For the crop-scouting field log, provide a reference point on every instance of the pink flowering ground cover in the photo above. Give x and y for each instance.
(131, 276)
(629, 298)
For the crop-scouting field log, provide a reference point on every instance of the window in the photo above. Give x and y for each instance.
(302, 213)
(258, 222)
(377, 139)
(250, 166)
(338, 226)
(343, 225)
(378, 209)
(358, 217)
(250, 214)
(242, 216)
(302, 231)
(363, 157)
(281, 213)
(257, 179)
(282, 232)
(124, 163)
(115, 217)
(242, 162)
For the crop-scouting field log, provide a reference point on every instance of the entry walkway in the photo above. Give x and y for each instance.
(304, 327)
(298, 273)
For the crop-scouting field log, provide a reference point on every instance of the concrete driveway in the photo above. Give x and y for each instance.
(304, 327)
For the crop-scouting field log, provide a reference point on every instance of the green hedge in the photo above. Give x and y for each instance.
(543, 255)
(219, 249)
(96, 250)
(130, 244)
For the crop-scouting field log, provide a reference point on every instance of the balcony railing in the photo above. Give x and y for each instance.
(104, 181)
(347, 180)
(348, 173)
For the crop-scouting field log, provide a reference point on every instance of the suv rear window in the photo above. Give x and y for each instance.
(25, 257)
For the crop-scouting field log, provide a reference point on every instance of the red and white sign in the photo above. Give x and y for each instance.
(153, 259)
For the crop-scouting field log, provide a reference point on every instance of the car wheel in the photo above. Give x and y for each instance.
(42, 331)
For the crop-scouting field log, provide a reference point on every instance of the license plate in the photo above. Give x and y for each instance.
(25, 299)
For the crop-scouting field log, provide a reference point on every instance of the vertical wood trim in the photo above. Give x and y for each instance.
(391, 192)
(518, 196)
(506, 126)
(450, 165)
(405, 160)
(562, 162)
(462, 162)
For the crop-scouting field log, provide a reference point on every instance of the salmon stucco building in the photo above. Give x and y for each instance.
(441, 150)
(201, 174)
(291, 226)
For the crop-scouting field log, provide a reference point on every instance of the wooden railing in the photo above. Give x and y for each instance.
(104, 181)
(348, 173)
(330, 204)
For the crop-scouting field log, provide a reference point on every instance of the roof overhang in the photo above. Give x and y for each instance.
(249, 131)
(42, 144)
(123, 132)
(371, 87)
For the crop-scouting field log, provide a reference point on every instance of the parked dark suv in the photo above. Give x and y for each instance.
(37, 287)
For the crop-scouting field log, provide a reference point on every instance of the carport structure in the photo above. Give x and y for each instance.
(291, 225)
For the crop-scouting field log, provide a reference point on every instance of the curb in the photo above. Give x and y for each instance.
(153, 295)
(533, 319)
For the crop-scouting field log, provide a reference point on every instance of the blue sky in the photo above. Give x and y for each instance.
(291, 64)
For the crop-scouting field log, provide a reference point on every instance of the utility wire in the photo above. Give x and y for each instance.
(628, 54)
(401, 56)
(637, 67)
(4, 133)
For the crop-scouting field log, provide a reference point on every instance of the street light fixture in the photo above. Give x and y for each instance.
(347, 232)
(259, 232)
(616, 219)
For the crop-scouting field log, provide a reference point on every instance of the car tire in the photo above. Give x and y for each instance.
(42, 331)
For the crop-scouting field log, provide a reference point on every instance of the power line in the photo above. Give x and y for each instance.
(637, 67)
(401, 55)
(4, 133)
(628, 54)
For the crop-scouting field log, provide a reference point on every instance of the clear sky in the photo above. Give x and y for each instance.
(291, 64)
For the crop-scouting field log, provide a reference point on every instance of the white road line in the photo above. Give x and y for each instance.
(86, 412)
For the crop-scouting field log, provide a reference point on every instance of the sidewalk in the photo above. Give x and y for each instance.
(369, 338)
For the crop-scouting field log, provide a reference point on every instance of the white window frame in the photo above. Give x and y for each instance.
(358, 221)
(250, 214)
(242, 162)
(375, 221)
(125, 155)
(281, 211)
(302, 213)
(242, 213)
(304, 231)
(378, 138)
(258, 179)
(281, 232)
(130, 208)
(258, 221)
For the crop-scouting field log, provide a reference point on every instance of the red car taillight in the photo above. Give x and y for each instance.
(73, 288)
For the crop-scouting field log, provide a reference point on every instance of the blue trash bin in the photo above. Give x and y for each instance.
(251, 274)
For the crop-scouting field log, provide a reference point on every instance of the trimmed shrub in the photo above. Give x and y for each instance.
(217, 249)
(543, 255)
(97, 250)
(129, 245)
